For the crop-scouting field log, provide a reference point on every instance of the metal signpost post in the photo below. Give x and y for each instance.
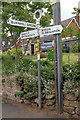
(38, 55)
(57, 21)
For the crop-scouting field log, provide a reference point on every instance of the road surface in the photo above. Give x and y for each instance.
(18, 110)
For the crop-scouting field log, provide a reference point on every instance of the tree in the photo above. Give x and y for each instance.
(44, 6)
(74, 47)
(22, 11)
(17, 11)
(76, 11)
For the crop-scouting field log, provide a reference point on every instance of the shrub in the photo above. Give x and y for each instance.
(50, 55)
(29, 70)
(71, 72)
(15, 53)
(43, 55)
(74, 47)
(71, 79)
(8, 65)
(28, 85)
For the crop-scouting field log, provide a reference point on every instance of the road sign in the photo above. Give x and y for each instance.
(50, 30)
(37, 47)
(22, 24)
(42, 31)
(29, 34)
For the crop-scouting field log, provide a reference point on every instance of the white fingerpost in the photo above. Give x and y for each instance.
(40, 15)
(38, 55)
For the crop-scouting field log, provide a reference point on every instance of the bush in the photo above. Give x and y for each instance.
(29, 70)
(43, 55)
(74, 47)
(28, 85)
(15, 53)
(71, 72)
(8, 65)
(50, 55)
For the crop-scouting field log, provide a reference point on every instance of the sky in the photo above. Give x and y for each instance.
(67, 8)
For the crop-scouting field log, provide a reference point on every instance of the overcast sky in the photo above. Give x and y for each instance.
(67, 8)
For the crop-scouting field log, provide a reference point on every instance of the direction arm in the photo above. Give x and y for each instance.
(21, 23)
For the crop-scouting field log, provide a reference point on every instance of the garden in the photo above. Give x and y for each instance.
(23, 73)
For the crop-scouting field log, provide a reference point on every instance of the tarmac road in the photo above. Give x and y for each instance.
(18, 110)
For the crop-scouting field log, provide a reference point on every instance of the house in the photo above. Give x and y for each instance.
(73, 23)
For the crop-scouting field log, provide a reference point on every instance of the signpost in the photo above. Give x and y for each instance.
(38, 55)
(29, 34)
(50, 30)
(22, 24)
(41, 32)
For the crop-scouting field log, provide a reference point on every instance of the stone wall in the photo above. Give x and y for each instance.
(70, 101)
(71, 104)
(9, 87)
(71, 98)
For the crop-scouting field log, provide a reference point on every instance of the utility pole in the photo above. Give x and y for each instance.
(57, 49)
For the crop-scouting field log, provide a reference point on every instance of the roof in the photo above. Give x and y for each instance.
(66, 22)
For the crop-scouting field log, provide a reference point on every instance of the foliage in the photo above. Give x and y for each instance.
(8, 64)
(69, 32)
(12, 52)
(15, 9)
(71, 72)
(28, 81)
(74, 47)
(28, 85)
(71, 79)
(76, 11)
(22, 11)
(71, 87)
(45, 20)
(50, 55)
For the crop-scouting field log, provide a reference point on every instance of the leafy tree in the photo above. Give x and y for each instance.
(74, 47)
(76, 11)
(22, 11)
(46, 18)
(17, 11)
